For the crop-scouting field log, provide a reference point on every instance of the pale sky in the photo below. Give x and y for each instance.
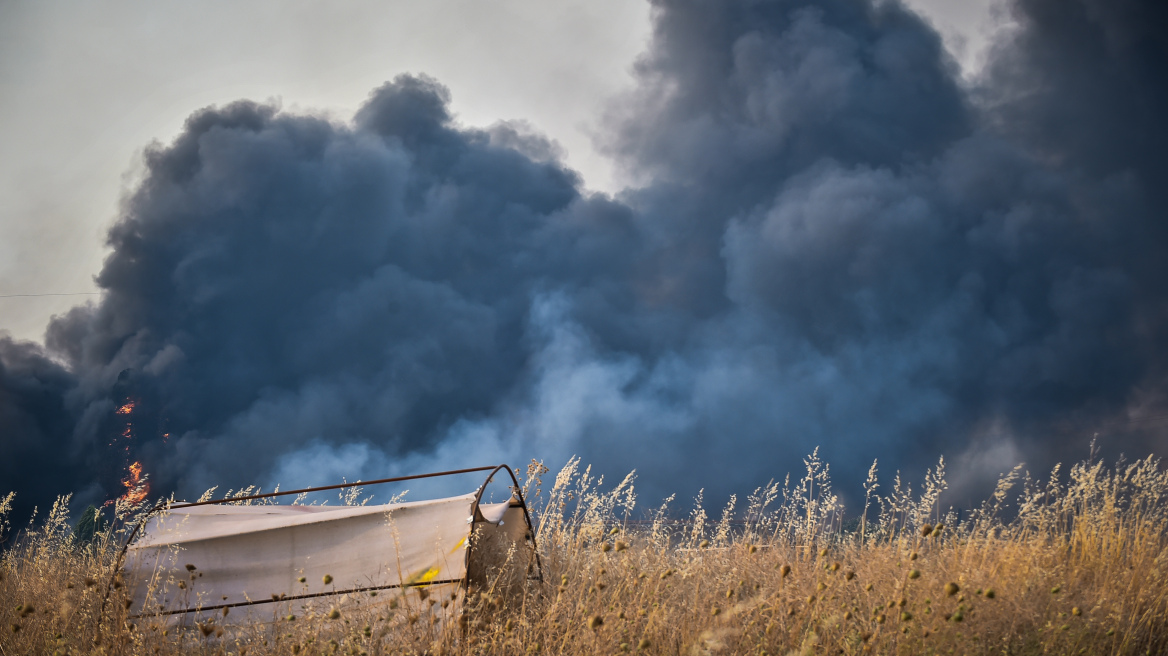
(85, 86)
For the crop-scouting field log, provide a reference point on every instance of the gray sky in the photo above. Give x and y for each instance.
(85, 86)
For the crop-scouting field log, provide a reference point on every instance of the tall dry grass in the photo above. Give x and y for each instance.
(1075, 564)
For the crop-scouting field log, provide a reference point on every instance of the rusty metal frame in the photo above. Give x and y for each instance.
(522, 504)
(165, 505)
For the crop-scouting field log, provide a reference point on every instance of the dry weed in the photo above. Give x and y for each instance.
(1078, 567)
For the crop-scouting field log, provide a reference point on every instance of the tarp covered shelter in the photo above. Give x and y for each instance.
(191, 561)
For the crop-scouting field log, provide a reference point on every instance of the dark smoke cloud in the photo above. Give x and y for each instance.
(830, 239)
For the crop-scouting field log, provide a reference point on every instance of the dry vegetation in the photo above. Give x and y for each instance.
(1079, 566)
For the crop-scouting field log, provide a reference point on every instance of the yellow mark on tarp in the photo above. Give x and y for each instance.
(459, 545)
(424, 576)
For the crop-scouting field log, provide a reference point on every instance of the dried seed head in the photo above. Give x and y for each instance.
(715, 611)
(615, 530)
(595, 621)
(621, 545)
(952, 588)
(784, 571)
(913, 556)
(989, 593)
(823, 552)
(644, 644)
(849, 575)
(914, 573)
(822, 586)
(868, 587)
(301, 579)
(880, 618)
(225, 611)
(606, 547)
(328, 578)
(704, 544)
(334, 614)
(1056, 589)
(905, 616)
(191, 568)
(290, 618)
(752, 549)
(1076, 611)
(926, 530)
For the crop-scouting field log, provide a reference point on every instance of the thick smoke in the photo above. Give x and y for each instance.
(828, 239)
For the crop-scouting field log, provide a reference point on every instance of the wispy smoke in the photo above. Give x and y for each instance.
(828, 239)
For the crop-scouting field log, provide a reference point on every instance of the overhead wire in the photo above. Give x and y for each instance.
(50, 294)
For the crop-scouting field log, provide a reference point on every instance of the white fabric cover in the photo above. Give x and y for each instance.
(257, 553)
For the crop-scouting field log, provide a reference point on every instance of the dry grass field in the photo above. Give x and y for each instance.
(1075, 564)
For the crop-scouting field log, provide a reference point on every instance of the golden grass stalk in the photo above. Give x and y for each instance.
(788, 579)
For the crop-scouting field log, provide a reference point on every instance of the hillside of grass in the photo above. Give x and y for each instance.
(1073, 564)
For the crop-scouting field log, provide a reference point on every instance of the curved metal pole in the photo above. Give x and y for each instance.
(118, 561)
(522, 504)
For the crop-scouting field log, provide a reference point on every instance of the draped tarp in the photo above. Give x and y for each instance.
(251, 558)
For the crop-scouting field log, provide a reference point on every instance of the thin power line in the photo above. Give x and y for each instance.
(65, 294)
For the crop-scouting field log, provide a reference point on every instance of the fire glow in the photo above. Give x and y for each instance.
(137, 487)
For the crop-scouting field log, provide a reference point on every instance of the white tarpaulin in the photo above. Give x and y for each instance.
(259, 560)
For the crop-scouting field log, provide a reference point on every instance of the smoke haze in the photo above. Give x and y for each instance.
(828, 239)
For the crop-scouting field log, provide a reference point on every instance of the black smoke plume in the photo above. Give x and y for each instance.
(828, 238)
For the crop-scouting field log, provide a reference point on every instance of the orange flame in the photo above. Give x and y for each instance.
(137, 489)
